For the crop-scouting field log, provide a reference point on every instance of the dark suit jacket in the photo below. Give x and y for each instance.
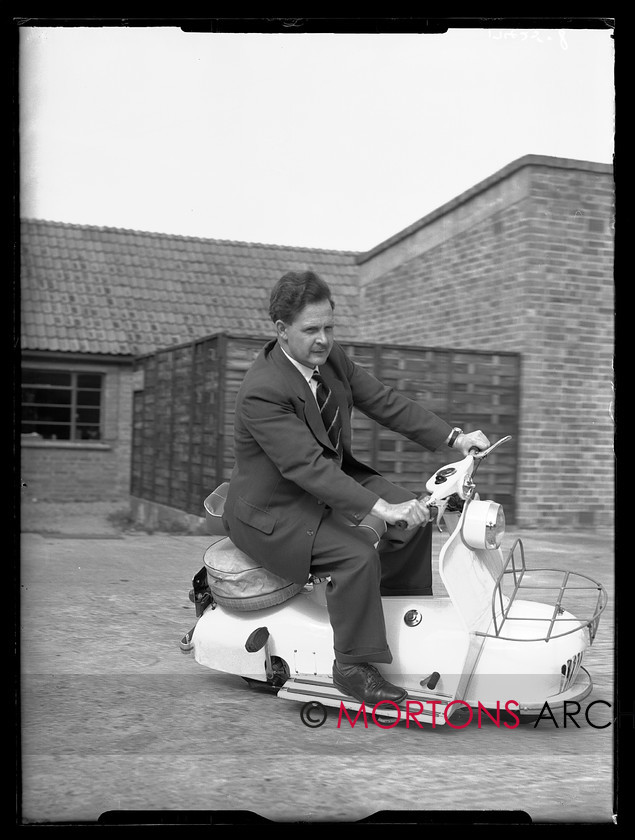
(286, 469)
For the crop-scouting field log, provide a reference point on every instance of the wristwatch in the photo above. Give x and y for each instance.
(453, 436)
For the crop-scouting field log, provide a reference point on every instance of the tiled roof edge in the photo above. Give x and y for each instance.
(182, 237)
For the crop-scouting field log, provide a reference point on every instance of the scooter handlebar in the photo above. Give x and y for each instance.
(402, 524)
(478, 455)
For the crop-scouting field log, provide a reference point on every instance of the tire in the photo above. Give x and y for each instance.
(281, 674)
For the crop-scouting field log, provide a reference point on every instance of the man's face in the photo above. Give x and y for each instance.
(309, 338)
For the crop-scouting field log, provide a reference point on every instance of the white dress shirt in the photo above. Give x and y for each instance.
(306, 372)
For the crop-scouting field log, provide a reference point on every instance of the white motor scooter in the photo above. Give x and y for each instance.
(487, 645)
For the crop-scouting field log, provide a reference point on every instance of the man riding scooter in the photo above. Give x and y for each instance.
(298, 498)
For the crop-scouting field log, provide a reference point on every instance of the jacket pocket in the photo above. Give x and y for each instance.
(254, 516)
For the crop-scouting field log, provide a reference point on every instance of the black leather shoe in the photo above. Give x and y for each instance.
(364, 682)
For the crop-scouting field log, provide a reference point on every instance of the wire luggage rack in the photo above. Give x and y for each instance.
(516, 576)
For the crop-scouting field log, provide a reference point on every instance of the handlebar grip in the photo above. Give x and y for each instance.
(402, 524)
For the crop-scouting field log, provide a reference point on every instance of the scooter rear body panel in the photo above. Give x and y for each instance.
(299, 633)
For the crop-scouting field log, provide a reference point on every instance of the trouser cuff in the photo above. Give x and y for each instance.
(384, 656)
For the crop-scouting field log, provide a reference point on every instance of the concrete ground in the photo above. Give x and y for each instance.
(115, 720)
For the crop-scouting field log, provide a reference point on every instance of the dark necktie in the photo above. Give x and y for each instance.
(330, 412)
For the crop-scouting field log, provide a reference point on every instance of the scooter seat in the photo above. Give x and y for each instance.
(239, 582)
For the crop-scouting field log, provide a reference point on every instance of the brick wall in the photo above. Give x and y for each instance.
(522, 263)
(85, 471)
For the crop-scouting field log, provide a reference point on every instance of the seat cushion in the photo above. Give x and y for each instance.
(240, 583)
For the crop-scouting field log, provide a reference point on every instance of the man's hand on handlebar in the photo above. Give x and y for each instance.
(465, 443)
(410, 514)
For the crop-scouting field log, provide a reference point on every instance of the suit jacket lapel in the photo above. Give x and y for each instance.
(302, 390)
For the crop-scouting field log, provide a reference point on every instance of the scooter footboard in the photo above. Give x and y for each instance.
(417, 708)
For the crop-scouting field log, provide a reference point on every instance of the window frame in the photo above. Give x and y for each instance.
(74, 371)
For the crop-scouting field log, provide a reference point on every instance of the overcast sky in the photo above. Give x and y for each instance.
(323, 140)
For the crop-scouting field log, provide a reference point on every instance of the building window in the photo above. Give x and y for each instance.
(61, 405)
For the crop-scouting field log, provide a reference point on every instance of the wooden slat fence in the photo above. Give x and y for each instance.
(183, 412)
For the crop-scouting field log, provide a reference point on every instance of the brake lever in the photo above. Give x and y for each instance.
(476, 454)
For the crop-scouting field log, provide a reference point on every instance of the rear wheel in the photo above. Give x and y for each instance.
(281, 674)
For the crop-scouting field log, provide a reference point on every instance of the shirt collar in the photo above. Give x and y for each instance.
(306, 372)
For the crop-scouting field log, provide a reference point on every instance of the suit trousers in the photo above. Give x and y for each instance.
(361, 574)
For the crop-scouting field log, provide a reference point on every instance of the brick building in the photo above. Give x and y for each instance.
(521, 262)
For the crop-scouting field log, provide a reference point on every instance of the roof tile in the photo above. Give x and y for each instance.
(107, 289)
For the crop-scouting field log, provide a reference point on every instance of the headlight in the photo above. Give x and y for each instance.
(484, 524)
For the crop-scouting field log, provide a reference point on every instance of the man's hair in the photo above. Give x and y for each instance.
(293, 291)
